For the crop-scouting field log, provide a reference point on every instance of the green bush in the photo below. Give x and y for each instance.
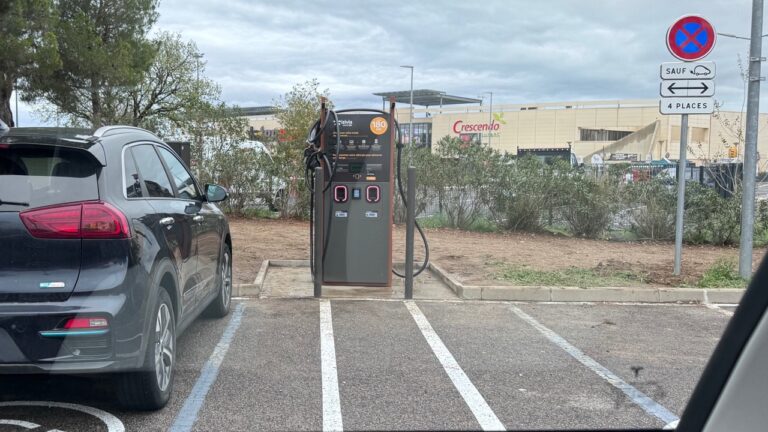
(588, 205)
(651, 208)
(461, 177)
(426, 163)
(722, 274)
(525, 192)
(711, 218)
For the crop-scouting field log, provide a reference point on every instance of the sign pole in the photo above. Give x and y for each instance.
(681, 166)
(686, 88)
(750, 145)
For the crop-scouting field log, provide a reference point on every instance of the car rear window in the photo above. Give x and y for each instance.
(36, 176)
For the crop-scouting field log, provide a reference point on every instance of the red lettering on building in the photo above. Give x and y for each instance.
(459, 127)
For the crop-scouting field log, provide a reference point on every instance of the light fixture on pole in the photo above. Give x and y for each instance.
(410, 120)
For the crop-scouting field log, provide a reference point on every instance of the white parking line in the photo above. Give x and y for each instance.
(483, 413)
(112, 423)
(331, 402)
(641, 399)
(187, 416)
(716, 307)
(19, 423)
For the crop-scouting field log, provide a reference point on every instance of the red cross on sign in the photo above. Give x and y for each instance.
(691, 38)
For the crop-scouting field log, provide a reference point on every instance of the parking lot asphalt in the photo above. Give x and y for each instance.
(304, 364)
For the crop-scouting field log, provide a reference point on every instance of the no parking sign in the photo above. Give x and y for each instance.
(691, 38)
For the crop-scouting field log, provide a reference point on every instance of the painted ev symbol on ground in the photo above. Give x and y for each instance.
(56, 417)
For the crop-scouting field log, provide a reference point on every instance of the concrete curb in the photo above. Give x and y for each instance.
(596, 294)
(256, 289)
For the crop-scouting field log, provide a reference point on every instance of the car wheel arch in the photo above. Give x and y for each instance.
(161, 277)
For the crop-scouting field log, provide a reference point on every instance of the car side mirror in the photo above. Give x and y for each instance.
(215, 193)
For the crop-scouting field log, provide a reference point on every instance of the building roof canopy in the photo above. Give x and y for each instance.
(426, 97)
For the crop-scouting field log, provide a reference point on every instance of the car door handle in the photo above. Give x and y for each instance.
(198, 218)
(167, 221)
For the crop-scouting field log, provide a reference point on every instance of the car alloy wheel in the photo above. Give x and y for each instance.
(226, 280)
(163, 347)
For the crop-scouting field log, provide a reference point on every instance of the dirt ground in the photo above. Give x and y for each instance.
(475, 257)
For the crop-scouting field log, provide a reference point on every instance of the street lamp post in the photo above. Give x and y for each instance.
(16, 119)
(490, 116)
(410, 120)
(750, 140)
(198, 135)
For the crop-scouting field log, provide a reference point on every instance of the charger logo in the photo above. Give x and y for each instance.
(379, 125)
(344, 123)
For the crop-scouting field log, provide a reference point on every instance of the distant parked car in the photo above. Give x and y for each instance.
(109, 250)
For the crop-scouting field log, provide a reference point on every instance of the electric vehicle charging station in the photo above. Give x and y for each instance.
(357, 233)
(350, 170)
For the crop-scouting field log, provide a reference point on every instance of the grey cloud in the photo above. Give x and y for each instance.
(523, 51)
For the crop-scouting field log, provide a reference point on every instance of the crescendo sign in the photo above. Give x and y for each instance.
(460, 127)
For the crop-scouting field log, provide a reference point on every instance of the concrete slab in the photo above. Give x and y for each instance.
(296, 282)
(684, 295)
(724, 295)
(527, 293)
(605, 294)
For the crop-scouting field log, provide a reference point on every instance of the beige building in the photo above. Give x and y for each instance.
(616, 130)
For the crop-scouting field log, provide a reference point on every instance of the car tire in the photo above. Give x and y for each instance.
(150, 388)
(219, 307)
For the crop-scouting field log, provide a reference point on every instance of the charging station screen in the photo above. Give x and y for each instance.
(365, 150)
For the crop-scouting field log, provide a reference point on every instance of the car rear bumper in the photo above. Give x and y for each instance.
(31, 340)
(83, 367)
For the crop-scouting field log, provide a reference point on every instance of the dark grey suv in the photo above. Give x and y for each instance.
(108, 250)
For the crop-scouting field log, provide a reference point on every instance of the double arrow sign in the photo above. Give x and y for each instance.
(689, 88)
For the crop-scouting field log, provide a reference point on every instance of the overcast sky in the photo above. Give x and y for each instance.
(522, 51)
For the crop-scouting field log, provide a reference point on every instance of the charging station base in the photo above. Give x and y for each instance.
(291, 279)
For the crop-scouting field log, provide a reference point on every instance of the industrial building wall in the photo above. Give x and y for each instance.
(561, 124)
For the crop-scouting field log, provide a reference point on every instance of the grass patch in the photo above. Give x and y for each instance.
(623, 235)
(572, 276)
(558, 230)
(260, 213)
(440, 221)
(722, 274)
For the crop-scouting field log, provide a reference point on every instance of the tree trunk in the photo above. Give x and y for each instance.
(6, 115)
(95, 108)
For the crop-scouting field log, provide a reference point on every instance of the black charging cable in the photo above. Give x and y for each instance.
(315, 157)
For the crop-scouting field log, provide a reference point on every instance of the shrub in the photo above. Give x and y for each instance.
(461, 176)
(588, 204)
(711, 218)
(722, 274)
(524, 191)
(652, 205)
(425, 163)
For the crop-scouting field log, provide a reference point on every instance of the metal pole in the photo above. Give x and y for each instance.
(680, 193)
(750, 146)
(410, 126)
(16, 119)
(318, 252)
(410, 221)
(490, 119)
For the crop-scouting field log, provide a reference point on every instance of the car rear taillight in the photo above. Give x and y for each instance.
(81, 323)
(87, 220)
(101, 220)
